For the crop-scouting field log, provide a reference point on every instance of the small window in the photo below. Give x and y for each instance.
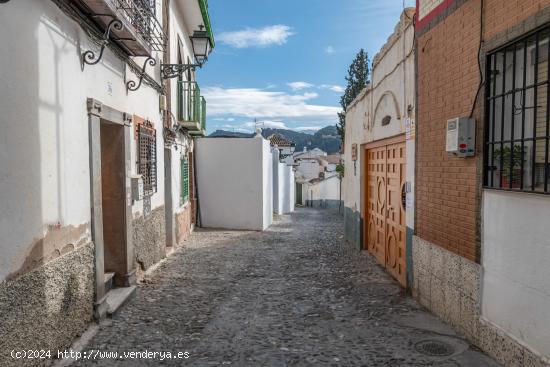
(517, 116)
(386, 120)
(184, 168)
(147, 157)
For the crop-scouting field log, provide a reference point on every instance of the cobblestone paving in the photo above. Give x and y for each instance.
(294, 295)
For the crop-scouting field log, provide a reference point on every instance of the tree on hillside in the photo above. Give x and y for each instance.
(358, 78)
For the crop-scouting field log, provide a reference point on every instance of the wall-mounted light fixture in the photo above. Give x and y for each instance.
(201, 49)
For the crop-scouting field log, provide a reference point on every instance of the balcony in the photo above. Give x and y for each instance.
(191, 108)
(141, 33)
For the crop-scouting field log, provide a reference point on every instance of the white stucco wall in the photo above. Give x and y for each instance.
(267, 180)
(516, 270)
(44, 149)
(283, 186)
(235, 180)
(327, 189)
(278, 183)
(289, 189)
(308, 168)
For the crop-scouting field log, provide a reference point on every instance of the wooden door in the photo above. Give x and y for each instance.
(385, 212)
(376, 203)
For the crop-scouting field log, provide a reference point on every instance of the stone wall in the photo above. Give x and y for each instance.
(46, 308)
(324, 203)
(353, 225)
(449, 285)
(150, 238)
(183, 224)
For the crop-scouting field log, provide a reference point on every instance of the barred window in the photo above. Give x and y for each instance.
(147, 157)
(517, 116)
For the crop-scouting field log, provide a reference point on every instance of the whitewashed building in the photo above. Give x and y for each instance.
(322, 192)
(283, 184)
(235, 176)
(307, 163)
(379, 155)
(96, 173)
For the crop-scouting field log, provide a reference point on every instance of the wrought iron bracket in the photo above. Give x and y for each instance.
(89, 57)
(168, 71)
(131, 85)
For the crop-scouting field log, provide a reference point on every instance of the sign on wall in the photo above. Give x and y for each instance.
(410, 129)
(354, 152)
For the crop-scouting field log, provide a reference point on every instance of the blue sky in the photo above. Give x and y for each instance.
(283, 62)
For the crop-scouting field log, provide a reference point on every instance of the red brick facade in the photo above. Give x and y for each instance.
(448, 188)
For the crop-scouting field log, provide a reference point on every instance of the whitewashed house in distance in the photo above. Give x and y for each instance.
(235, 176)
(94, 106)
(307, 163)
(286, 147)
(318, 184)
(323, 192)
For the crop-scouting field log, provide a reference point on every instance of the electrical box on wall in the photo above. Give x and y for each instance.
(461, 136)
(162, 103)
(137, 187)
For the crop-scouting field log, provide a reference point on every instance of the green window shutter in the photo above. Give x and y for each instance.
(184, 180)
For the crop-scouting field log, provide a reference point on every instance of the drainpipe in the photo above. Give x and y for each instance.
(199, 217)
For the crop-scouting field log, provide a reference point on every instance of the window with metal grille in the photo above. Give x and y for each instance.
(184, 197)
(517, 120)
(147, 157)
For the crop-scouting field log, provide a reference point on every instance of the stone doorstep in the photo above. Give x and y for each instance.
(117, 297)
(108, 281)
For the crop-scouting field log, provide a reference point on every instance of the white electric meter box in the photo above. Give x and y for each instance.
(461, 137)
(137, 187)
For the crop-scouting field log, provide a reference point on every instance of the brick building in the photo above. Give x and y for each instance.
(482, 243)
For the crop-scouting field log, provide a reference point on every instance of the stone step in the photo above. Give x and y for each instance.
(118, 297)
(108, 280)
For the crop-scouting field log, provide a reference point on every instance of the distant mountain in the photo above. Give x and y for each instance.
(326, 139)
(230, 134)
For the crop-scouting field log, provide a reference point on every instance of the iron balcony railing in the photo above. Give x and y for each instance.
(203, 113)
(191, 106)
(141, 14)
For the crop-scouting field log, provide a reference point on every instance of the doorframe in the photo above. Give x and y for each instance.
(168, 198)
(401, 138)
(97, 111)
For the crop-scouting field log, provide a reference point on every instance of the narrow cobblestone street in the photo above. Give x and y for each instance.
(291, 296)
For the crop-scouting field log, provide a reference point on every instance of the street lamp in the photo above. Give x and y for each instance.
(201, 45)
(200, 42)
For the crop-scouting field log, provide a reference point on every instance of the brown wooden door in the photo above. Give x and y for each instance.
(385, 212)
(376, 203)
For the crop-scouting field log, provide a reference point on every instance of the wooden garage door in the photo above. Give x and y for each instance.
(385, 211)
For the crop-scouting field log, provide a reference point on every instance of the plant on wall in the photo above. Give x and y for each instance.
(511, 169)
(340, 170)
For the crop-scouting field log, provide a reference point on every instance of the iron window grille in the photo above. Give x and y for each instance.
(142, 15)
(147, 157)
(517, 119)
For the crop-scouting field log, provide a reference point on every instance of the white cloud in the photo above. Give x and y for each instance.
(267, 105)
(251, 125)
(330, 50)
(307, 128)
(257, 37)
(334, 88)
(299, 85)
